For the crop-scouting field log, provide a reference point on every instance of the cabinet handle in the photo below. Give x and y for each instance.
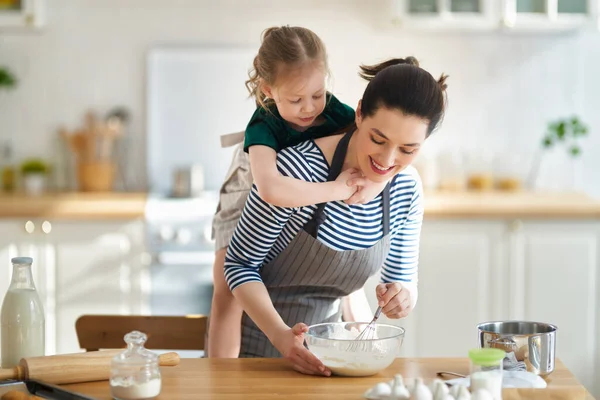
(46, 227)
(29, 227)
(516, 225)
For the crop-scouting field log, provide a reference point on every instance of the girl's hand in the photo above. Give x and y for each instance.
(345, 190)
(290, 344)
(367, 190)
(394, 300)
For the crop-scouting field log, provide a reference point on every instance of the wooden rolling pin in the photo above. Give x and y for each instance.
(73, 368)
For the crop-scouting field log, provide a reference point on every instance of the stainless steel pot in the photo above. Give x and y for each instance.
(532, 342)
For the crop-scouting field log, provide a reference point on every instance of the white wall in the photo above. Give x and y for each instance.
(503, 89)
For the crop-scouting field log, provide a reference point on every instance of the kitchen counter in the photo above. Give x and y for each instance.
(74, 205)
(510, 205)
(254, 379)
(438, 205)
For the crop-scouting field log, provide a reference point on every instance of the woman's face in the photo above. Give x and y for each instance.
(387, 142)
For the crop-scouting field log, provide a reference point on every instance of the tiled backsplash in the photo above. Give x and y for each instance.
(503, 89)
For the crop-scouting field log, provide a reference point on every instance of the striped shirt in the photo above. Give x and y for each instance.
(265, 230)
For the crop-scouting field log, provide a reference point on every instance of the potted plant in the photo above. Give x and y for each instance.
(7, 170)
(34, 172)
(7, 79)
(566, 132)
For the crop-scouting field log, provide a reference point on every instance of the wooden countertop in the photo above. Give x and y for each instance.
(254, 379)
(84, 206)
(438, 205)
(510, 205)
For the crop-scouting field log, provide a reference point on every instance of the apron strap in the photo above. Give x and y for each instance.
(386, 210)
(337, 163)
(231, 139)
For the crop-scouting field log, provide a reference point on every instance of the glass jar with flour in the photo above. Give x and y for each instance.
(23, 332)
(135, 374)
(486, 370)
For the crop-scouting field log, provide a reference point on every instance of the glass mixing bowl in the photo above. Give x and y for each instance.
(335, 344)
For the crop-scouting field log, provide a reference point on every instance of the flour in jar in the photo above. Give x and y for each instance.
(135, 391)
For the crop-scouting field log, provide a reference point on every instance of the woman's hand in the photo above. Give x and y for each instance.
(290, 344)
(394, 300)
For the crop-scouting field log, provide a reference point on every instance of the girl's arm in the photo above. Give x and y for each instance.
(285, 191)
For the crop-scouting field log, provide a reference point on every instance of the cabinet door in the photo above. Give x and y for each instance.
(97, 272)
(556, 282)
(549, 15)
(460, 274)
(446, 14)
(8, 232)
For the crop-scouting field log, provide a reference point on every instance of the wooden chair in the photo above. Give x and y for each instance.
(96, 332)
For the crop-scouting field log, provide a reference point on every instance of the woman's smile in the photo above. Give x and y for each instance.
(378, 168)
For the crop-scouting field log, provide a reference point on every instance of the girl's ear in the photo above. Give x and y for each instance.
(266, 89)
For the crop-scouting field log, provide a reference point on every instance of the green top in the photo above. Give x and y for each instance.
(486, 356)
(269, 129)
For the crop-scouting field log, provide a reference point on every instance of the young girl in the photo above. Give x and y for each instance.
(288, 83)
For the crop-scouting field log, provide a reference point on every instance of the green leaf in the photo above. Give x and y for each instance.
(575, 150)
(547, 142)
(561, 131)
(553, 126)
(7, 79)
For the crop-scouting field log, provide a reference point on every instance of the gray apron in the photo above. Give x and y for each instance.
(307, 279)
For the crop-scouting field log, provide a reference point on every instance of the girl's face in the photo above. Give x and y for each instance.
(387, 142)
(299, 95)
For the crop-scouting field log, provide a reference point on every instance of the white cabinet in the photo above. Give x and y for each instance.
(80, 267)
(98, 271)
(556, 281)
(508, 15)
(473, 271)
(550, 15)
(446, 14)
(22, 14)
(460, 279)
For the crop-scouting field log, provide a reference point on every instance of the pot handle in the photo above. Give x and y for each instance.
(503, 341)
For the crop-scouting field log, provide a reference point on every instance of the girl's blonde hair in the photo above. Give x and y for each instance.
(283, 48)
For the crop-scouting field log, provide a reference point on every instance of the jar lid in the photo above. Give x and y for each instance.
(22, 260)
(136, 353)
(486, 356)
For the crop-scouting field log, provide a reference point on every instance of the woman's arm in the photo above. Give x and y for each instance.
(286, 191)
(400, 269)
(260, 226)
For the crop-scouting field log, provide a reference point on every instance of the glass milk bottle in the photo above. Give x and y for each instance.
(22, 319)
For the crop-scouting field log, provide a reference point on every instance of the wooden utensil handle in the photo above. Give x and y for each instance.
(73, 368)
(9, 373)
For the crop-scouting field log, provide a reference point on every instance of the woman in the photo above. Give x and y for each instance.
(289, 267)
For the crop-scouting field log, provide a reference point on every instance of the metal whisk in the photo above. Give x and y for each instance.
(366, 334)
